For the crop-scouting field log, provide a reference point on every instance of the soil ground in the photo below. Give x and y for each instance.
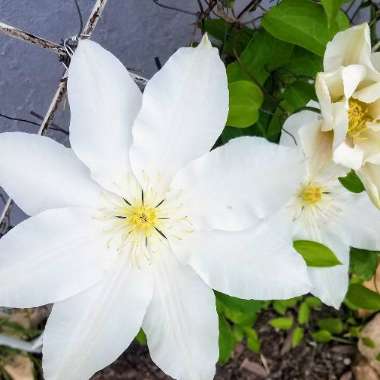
(277, 361)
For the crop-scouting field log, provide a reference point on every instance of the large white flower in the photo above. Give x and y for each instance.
(349, 94)
(322, 210)
(108, 216)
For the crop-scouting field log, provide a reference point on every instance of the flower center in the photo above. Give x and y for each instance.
(311, 194)
(142, 218)
(358, 117)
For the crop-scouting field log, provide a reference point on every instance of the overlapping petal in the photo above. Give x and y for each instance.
(51, 256)
(40, 174)
(104, 101)
(181, 324)
(184, 110)
(370, 176)
(258, 263)
(89, 331)
(238, 183)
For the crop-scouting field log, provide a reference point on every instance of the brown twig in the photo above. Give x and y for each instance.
(59, 95)
(31, 38)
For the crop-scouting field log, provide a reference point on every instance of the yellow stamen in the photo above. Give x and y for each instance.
(142, 219)
(311, 194)
(358, 117)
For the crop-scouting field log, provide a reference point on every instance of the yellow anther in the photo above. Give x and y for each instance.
(358, 117)
(311, 194)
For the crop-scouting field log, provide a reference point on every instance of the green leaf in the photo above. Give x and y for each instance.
(233, 37)
(313, 302)
(297, 95)
(141, 338)
(363, 263)
(297, 336)
(322, 336)
(282, 323)
(331, 8)
(246, 99)
(304, 63)
(253, 340)
(226, 341)
(302, 23)
(303, 313)
(333, 325)
(242, 312)
(368, 342)
(262, 55)
(316, 254)
(282, 306)
(238, 333)
(352, 182)
(361, 297)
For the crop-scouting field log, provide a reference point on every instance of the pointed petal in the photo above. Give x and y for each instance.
(370, 176)
(363, 234)
(50, 257)
(230, 188)
(352, 46)
(104, 101)
(257, 263)
(39, 174)
(348, 156)
(185, 107)
(181, 324)
(89, 331)
(331, 284)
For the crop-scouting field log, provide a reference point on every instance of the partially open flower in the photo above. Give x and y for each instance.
(322, 210)
(349, 95)
(110, 217)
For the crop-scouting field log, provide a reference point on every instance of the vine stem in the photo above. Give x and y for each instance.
(60, 50)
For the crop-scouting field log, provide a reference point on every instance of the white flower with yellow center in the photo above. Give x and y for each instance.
(112, 217)
(322, 210)
(349, 94)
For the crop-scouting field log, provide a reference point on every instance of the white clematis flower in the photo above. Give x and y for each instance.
(322, 210)
(349, 94)
(110, 215)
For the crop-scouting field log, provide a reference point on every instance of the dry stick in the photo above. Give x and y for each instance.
(59, 95)
(32, 39)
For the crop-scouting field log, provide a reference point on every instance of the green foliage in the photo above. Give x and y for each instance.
(363, 263)
(282, 323)
(253, 340)
(332, 325)
(322, 336)
(297, 336)
(368, 342)
(303, 313)
(313, 302)
(332, 8)
(226, 340)
(352, 182)
(360, 297)
(303, 23)
(245, 100)
(316, 254)
(141, 338)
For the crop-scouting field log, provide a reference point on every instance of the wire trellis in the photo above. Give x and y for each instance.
(63, 52)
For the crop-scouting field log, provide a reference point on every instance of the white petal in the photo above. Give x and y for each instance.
(104, 101)
(352, 76)
(331, 284)
(50, 257)
(369, 94)
(89, 331)
(352, 46)
(185, 107)
(370, 176)
(234, 185)
(348, 156)
(181, 324)
(257, 263)
(39, 174)
(375, 59)
(361, 223)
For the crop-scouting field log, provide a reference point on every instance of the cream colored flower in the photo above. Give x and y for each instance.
(349, 95)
